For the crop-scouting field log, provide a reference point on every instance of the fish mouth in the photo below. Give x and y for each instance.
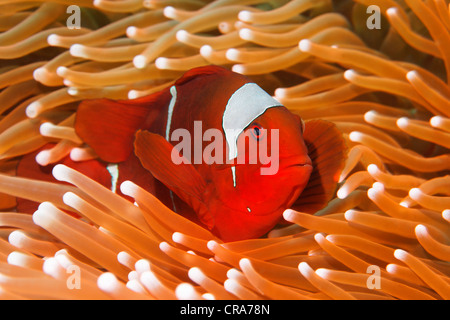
(296, 161)
(297, 171)
(299, 165)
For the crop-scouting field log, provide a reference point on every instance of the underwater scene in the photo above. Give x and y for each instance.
(225, 150)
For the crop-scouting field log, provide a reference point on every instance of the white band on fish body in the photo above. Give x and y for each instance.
(173, 92)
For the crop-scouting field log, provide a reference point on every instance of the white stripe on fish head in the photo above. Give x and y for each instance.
(245, 105)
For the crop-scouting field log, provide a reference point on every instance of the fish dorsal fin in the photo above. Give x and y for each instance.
(108, 126)
(328, 152)
(202, 71)
(155, 154)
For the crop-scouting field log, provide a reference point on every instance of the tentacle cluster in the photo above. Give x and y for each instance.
(384, 236)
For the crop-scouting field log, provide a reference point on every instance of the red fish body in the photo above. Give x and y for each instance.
(207, 121)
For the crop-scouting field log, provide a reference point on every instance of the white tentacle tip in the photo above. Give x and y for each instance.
(343, 192)
(140, 61)
(392, 11)
(17, 238)
(128, 188)
(372, 169)
(107, 282)
(412, 75)
(245, 34)
(32, 110)
(43, 157)
(244, 263)
(350, 74)
(289, 215)
(164, 246)
(70, 198)
(185, 291)
(212, 245)
(319, 237)
(162, 63)
(196, 274)
(40, 74)
(131, 31)
(415, 193)
(169, 12)
(77, 50)
(402, 122)
(323, 273)
(355, 136)
(420, 229)
(46, 128)
(304, 45)
(53, 40)
(370, 116)
(206, 50)
(60, 172)
(446, 214)
(62, 71)
(182, 35)
(436, 121)
(400, 254)
(350, 215)
(245, 16)
(177, 237)
(238, 68)
(304, 268)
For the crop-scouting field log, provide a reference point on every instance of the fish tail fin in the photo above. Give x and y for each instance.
(27, 167)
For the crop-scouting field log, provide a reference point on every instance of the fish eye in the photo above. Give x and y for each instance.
(257, 131)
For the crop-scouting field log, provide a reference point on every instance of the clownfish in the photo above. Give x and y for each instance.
(254, 157)
(235, 200)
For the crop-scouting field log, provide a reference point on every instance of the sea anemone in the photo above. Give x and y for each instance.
(384, 235)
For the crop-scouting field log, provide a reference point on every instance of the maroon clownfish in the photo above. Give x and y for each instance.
(218, 149)
(148, 137)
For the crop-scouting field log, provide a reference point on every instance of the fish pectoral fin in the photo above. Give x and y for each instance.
(328, 152)
(155, 154)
